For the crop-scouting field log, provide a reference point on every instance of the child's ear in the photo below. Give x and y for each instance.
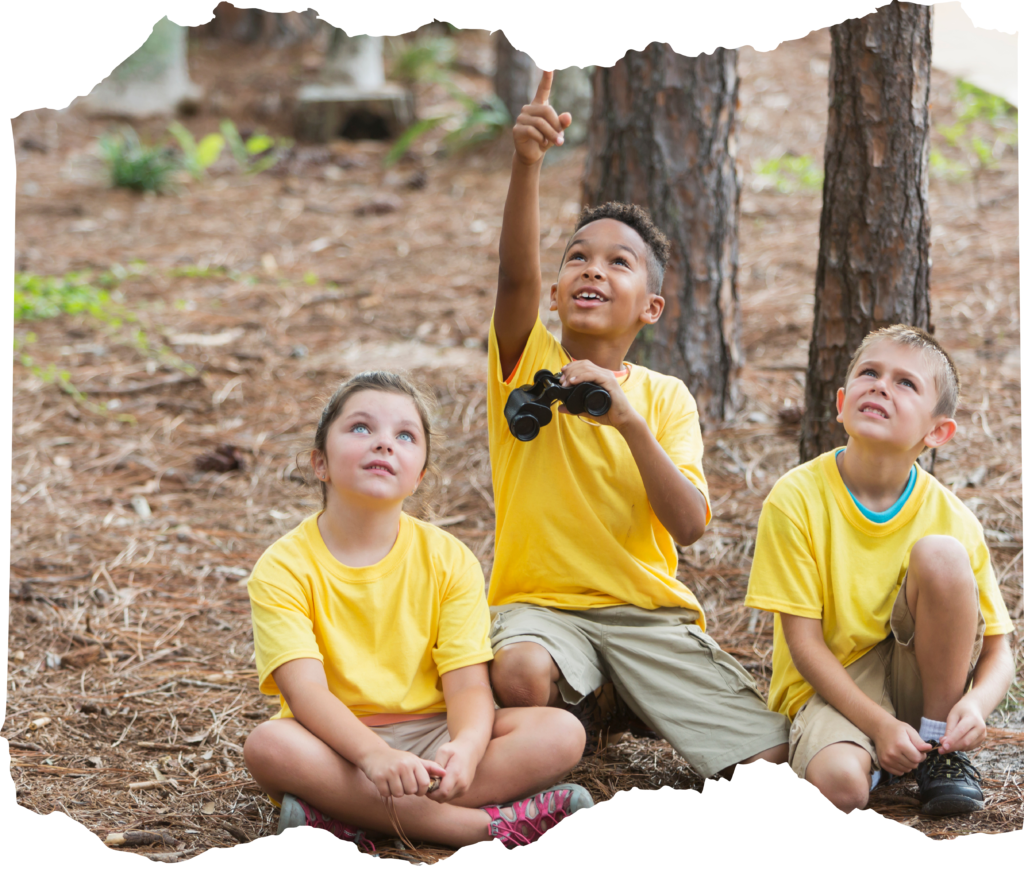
(840, 398)
(652, 312)
(943, 430)
(553, 306)
(318, 463)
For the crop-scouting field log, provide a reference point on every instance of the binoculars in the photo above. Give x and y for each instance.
(529, 407)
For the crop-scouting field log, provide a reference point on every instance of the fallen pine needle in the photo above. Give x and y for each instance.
(149, 786)
(140, 838)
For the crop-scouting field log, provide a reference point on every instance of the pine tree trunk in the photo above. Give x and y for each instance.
(515, 75)
(662, 134)
(874, 236)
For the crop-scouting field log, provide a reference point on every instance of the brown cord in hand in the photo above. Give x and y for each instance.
(389, 808)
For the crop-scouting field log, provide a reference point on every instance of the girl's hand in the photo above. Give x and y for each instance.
(538, 127)
(459, 768)
(620, 413)
(400, 773)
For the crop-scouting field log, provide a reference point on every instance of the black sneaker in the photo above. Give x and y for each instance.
(948, 783)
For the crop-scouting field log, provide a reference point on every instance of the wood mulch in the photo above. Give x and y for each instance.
(130, 673)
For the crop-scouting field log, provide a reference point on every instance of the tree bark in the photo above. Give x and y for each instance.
(874, 236)
(662, 134)
(515, 75)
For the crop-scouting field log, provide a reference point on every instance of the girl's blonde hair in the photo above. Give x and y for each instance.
(382, 381)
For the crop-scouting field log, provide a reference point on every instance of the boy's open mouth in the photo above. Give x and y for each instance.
(589, 295)
(875, 410)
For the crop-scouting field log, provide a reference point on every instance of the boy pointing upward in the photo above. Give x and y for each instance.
(583, 589)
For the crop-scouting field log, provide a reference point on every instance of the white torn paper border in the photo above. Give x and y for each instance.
(764, 824)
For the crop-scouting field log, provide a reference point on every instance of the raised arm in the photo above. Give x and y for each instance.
(537, 128)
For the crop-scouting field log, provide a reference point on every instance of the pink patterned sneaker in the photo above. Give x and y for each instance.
(522, 822)
(295, 813)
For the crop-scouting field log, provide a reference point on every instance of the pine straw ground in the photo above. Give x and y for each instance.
(130, 679)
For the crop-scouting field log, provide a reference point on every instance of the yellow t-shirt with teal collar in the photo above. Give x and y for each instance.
(384, 633)
(818, 556)
(574, 528)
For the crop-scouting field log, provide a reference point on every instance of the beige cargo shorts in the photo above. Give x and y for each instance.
(888, 674)
(672, 675)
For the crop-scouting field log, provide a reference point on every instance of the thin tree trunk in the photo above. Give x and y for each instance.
(515, 75)
(662, 135)
(874, 237)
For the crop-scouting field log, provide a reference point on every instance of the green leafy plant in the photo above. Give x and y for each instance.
(198, 157)
(43, 297)
(788, 174)
(429, 60)
(985, 126)
(950, 169)
(477, 121)
(255, 154)
(423, 60)
(134, 165)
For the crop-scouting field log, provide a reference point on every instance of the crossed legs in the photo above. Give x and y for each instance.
(530, 750)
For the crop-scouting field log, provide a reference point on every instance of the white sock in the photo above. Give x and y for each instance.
(875, 777)
(932, 730)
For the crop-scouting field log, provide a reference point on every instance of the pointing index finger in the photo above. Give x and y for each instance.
(544, 87)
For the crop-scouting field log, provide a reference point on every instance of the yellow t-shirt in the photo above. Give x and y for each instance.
(385, 633)
(818, 556)
(574, 528)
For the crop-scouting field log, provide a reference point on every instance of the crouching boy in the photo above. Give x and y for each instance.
(886, 606)
(584, 589)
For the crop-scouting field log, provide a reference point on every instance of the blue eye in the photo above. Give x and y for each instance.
(360, 427)
(909, 383)
(408, 436)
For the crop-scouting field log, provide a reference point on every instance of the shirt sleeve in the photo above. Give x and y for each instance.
(282, 629)
(784, 574)
(463, 635)
(540, 351)
(993, 607)
(680, 437)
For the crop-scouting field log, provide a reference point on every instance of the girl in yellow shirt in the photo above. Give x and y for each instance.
(372, 627)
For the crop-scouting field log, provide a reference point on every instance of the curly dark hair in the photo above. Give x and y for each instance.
(657, 243)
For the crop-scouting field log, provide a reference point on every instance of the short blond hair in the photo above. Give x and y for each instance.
(947, 378)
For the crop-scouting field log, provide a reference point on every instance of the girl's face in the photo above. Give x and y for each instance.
(375, 449)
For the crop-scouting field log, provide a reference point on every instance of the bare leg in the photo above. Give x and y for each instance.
(942, 600)
(523, 675)
(283, 756)
(531, 750)
(842, 772)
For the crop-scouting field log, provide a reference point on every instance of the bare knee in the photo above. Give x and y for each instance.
(568, 738)
(844, 779)
(522, 675)
(939, 563)
(261, 748)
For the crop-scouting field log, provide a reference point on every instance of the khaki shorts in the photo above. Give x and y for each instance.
(888, 675)
(421, 737)
(674, 677)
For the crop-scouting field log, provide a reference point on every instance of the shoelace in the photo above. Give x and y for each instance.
(954, 765)
(513, 835)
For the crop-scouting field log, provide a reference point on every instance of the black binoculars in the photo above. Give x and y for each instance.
(529, 407)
